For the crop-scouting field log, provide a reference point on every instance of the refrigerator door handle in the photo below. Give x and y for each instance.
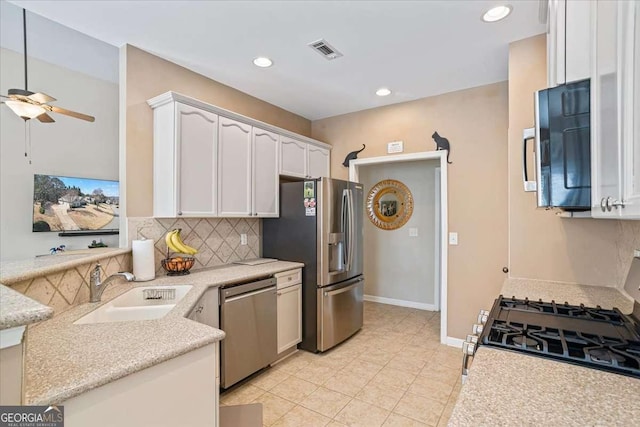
(345, 224)
(352, 227)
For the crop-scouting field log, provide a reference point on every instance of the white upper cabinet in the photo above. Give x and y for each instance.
(615, 146)
(568, 41)
(318, 161)
(631, 111)
(184, 152)
(234, 168)
(211, 162)
(265, 173)
(293, 157)
(302, 160)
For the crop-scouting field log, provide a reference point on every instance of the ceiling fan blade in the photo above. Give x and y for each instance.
(45, 118)
(70, 113)
(42, 98)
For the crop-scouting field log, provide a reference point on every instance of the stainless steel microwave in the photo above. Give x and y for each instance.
(562, 148)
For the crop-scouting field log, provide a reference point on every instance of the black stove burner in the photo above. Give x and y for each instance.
(525, 342)
(588, 336)
(606, 356)
(525, 307)
(575, 311)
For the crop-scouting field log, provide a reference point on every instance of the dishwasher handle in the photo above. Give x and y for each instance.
(249, 294)
(229, 292)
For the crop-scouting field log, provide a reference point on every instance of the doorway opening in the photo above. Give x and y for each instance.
(408, 266)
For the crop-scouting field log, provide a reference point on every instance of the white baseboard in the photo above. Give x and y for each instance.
(401, 303)
(454, 342)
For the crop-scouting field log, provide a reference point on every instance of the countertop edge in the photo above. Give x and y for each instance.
(29, 311)
(62, 396)
(57, 395)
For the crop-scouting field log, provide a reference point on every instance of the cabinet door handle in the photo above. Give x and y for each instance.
(603, 205)
(278, 293)
(180, 213)
(616, 204)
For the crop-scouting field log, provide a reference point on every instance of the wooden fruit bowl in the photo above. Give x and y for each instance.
(178, 266)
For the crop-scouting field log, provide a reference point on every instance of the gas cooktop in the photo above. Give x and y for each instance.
(589, 336)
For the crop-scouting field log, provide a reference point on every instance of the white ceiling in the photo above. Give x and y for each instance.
(57, 44)
(416, 48)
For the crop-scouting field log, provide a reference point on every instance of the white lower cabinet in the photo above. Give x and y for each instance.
(289, 309)
(179, 392)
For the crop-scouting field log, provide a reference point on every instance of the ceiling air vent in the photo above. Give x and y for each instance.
(325, 49)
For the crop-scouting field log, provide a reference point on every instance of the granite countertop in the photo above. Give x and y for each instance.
(505, 388)
(18, 310)
(574, 294)
(16, 271)
(64, 360)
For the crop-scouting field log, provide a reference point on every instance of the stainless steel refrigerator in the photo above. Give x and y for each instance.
(320, 225)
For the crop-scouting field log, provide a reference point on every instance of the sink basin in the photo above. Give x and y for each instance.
(136, 305)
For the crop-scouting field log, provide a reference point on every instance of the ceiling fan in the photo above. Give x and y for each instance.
(29, 105)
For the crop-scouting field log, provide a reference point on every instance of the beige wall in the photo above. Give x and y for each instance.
(147, 76)
(543, 245)
(475, 122)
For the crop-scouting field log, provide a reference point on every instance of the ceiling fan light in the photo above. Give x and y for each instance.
(25, 110)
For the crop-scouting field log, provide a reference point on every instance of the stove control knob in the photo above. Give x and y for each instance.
(472, 339)
(477, 329)
(483, 316)
(468, 348)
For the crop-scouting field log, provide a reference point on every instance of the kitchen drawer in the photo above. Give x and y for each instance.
(288, 278)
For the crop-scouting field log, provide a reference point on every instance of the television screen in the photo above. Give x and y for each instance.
(63, 203)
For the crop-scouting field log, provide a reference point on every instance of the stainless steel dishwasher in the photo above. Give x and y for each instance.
(248, 316)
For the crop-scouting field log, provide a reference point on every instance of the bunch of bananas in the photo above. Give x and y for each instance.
(175, 243)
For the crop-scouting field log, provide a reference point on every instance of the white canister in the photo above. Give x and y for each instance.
(143, 260)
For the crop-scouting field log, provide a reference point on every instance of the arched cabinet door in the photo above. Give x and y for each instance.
(293, 157)
(234, 168)
(318, 162)
(265, 173)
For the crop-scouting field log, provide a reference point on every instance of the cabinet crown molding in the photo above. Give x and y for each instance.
(169, 97)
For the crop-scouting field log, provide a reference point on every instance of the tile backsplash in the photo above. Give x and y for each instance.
(66, 289)
(216, 239)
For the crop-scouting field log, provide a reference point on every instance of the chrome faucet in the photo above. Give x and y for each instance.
(96, 286)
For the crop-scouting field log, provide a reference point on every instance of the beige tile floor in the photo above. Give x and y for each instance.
(393, 372)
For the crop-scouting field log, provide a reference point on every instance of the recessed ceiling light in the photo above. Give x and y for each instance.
(383, 91)
(263, 62)
(497, 13)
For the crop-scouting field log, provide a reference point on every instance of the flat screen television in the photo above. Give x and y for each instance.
(62, 203)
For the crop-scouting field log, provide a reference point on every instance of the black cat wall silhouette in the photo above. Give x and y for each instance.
(442, 143)
(352, 156)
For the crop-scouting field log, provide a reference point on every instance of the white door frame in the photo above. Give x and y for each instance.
(444, 226)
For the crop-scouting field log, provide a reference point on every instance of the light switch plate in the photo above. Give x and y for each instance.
(243, 239)
(453, 238)
(413, 232)
(395, 147)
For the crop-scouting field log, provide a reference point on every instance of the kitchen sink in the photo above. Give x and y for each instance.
(143, 303)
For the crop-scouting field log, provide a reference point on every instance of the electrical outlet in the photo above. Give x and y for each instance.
(453, 238)
(243, 239)
(413, 232)
(636, 253)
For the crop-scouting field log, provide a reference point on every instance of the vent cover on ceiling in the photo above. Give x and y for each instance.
(325, 49)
